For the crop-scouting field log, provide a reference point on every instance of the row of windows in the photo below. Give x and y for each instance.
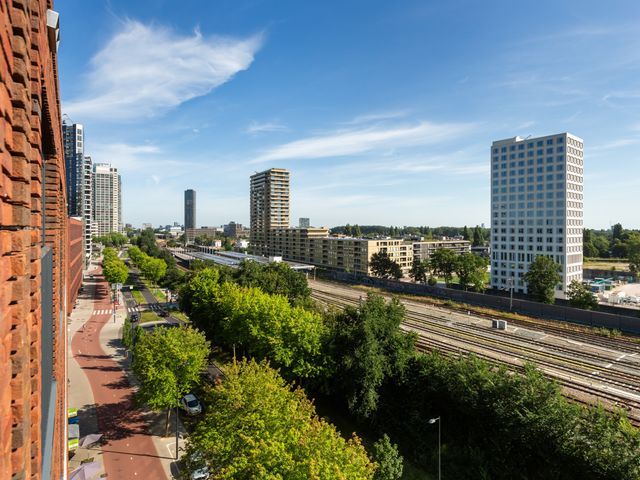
(548, 204)
(520, 257)
(538, 221)
(521, 146)
(529, 171)
(549, 231)
(530, 248)
(530, 188)
(530, 153)
(574, 151)
(530, 196)
(522, 163)
(530, 214)
(531, 239)
(574, 187)
(521, 180)
(577, 161)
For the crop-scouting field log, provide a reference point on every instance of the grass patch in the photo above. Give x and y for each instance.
(138, 297)
(149, 316)
(180, 315)
(158, 293)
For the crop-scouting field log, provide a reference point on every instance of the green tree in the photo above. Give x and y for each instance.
(383, 266)
(368, 347)
(419, 270)
(153, 268)
(357, 232)
(274, 278)
(478, 237)
(580, 296)
(115, 271)
(465, 233)
(168, 363)
(472, 271)
(257, 427)
(542, 278)
(633, 252)
(443, 262)
(616, 232)
(390, 462)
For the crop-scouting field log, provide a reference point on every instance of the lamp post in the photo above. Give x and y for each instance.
(510, 285)
(432, 421)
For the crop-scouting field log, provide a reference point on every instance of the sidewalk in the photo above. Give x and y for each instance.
(101, 387)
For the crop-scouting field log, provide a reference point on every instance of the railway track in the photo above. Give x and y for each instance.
(588, 372)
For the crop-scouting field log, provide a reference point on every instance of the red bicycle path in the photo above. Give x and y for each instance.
(128, 449)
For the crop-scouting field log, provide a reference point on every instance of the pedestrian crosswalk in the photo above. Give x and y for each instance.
(132, 310)
(104, 311)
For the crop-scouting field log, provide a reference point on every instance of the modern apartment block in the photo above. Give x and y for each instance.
(269, 206)
(536, 207)
(189, 209)
(107, 199)
(33, 246)
(303, 222)
(79, 181)
(424, 250)
(315, 247)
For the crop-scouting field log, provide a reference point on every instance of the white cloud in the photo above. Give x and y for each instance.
(358, 141)
(256, 127)
(145, 70)
(375, 117)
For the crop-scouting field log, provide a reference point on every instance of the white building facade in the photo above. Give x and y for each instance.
(536, 207)
(107, 199)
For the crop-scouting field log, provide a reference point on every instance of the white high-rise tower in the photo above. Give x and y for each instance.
(536, 207)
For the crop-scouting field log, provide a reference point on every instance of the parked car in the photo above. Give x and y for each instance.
(197, 467)
(191, 404)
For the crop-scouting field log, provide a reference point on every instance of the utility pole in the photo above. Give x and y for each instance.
(510, 285)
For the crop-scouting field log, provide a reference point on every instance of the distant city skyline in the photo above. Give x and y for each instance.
(381, 111)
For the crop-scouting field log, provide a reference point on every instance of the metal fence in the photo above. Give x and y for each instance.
(623, 322)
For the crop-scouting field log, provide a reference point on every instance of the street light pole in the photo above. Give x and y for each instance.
(510, 282)
(177, 432)
(432, 421)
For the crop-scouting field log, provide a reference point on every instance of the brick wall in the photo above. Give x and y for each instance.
(31, 183)
(75, 237)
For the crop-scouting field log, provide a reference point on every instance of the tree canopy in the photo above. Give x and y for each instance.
(580, 296)
(542, 278)
(113, 268)
(168, 363)
(368, 346)
(443, 262)
(383, 266)
(472, 271)
(256, 426)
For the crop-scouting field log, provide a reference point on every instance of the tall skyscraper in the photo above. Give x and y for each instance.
(107, 199)
(189, 209)
(536, 207)
(269, 197)
(78, 180)
(73, 138)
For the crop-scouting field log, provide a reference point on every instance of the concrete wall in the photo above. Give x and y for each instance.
(623, 322)
(32, 215)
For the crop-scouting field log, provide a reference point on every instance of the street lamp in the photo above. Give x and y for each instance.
(432, 421)
(510, 285)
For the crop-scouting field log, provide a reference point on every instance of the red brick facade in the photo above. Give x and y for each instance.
(32, 215)
(75, 237)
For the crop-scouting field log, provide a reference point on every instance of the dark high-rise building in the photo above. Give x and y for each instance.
(73, 138)
(189, 209)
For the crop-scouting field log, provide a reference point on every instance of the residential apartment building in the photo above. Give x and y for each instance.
(304, 222)
(189, 209)
(536, 207)
(34, 246)
(79, 180)
(234, 230)
(269, 206)
(315, 247)
(107, 199)
(423, 250)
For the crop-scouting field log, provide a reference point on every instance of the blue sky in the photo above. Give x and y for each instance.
(384, 112)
